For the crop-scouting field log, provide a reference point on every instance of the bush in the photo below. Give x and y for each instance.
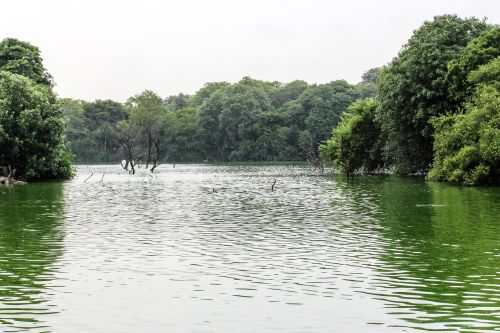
(355, 144)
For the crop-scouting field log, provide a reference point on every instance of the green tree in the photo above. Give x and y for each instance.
(367, 88)
(478, 52)
(24, 59)
(467, 146)
(242, 109)
(206, 92)
(77, 131)
(127, 135)
(231, 119)
(183, 136)
(322, 109)
(212, 134)
(356, 141)
(101, 118)
(147, 114)
(287, 92)
(32, 129)
(371, 76)
(177, 102)
(413, 88)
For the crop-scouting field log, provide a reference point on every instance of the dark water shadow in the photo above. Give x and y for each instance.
(440, 255)
(31, 239)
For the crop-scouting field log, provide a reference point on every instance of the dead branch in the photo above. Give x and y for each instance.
(88, 177)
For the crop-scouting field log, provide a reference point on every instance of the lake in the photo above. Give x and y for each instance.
(203, 248)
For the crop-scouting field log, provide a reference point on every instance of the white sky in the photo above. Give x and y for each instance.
(99, 49)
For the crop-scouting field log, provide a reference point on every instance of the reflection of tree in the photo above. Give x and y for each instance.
(30, 242)
(438, 265)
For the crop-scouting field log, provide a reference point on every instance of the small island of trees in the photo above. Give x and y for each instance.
(433, 110)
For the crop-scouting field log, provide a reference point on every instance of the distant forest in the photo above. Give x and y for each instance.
(434, 110)
(250, 120)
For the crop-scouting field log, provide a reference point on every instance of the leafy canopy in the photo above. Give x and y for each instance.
(31, 129)
(413, 88)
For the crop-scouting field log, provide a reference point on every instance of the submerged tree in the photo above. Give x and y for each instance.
(144, 129)
(128, 134)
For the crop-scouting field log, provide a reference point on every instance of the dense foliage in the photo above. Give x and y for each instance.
(92, 129)
(32, 125)
(250, 120)
(31, 129)
(24, 59)
(414, 88)
(355, 145)
(478, 52)
(467, 145)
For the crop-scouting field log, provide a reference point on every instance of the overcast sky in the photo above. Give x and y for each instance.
(99, 49)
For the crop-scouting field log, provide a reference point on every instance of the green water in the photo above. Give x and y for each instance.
(212, 249)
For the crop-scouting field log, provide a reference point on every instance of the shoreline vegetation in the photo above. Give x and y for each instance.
(434, 110)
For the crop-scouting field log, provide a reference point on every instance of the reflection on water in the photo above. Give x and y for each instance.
(30, 243)
(441, 253)
(212, 249)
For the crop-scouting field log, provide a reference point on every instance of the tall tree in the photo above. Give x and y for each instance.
(413, 88)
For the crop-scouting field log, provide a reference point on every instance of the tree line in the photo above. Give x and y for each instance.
(433, 110)
(251, 120)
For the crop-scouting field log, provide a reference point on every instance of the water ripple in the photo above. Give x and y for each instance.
(206, 248)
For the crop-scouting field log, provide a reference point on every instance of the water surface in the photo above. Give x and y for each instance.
(201, 248)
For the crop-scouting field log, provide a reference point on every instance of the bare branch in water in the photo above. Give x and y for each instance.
(89, 177)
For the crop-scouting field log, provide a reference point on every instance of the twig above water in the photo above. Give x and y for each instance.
(88, 177)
